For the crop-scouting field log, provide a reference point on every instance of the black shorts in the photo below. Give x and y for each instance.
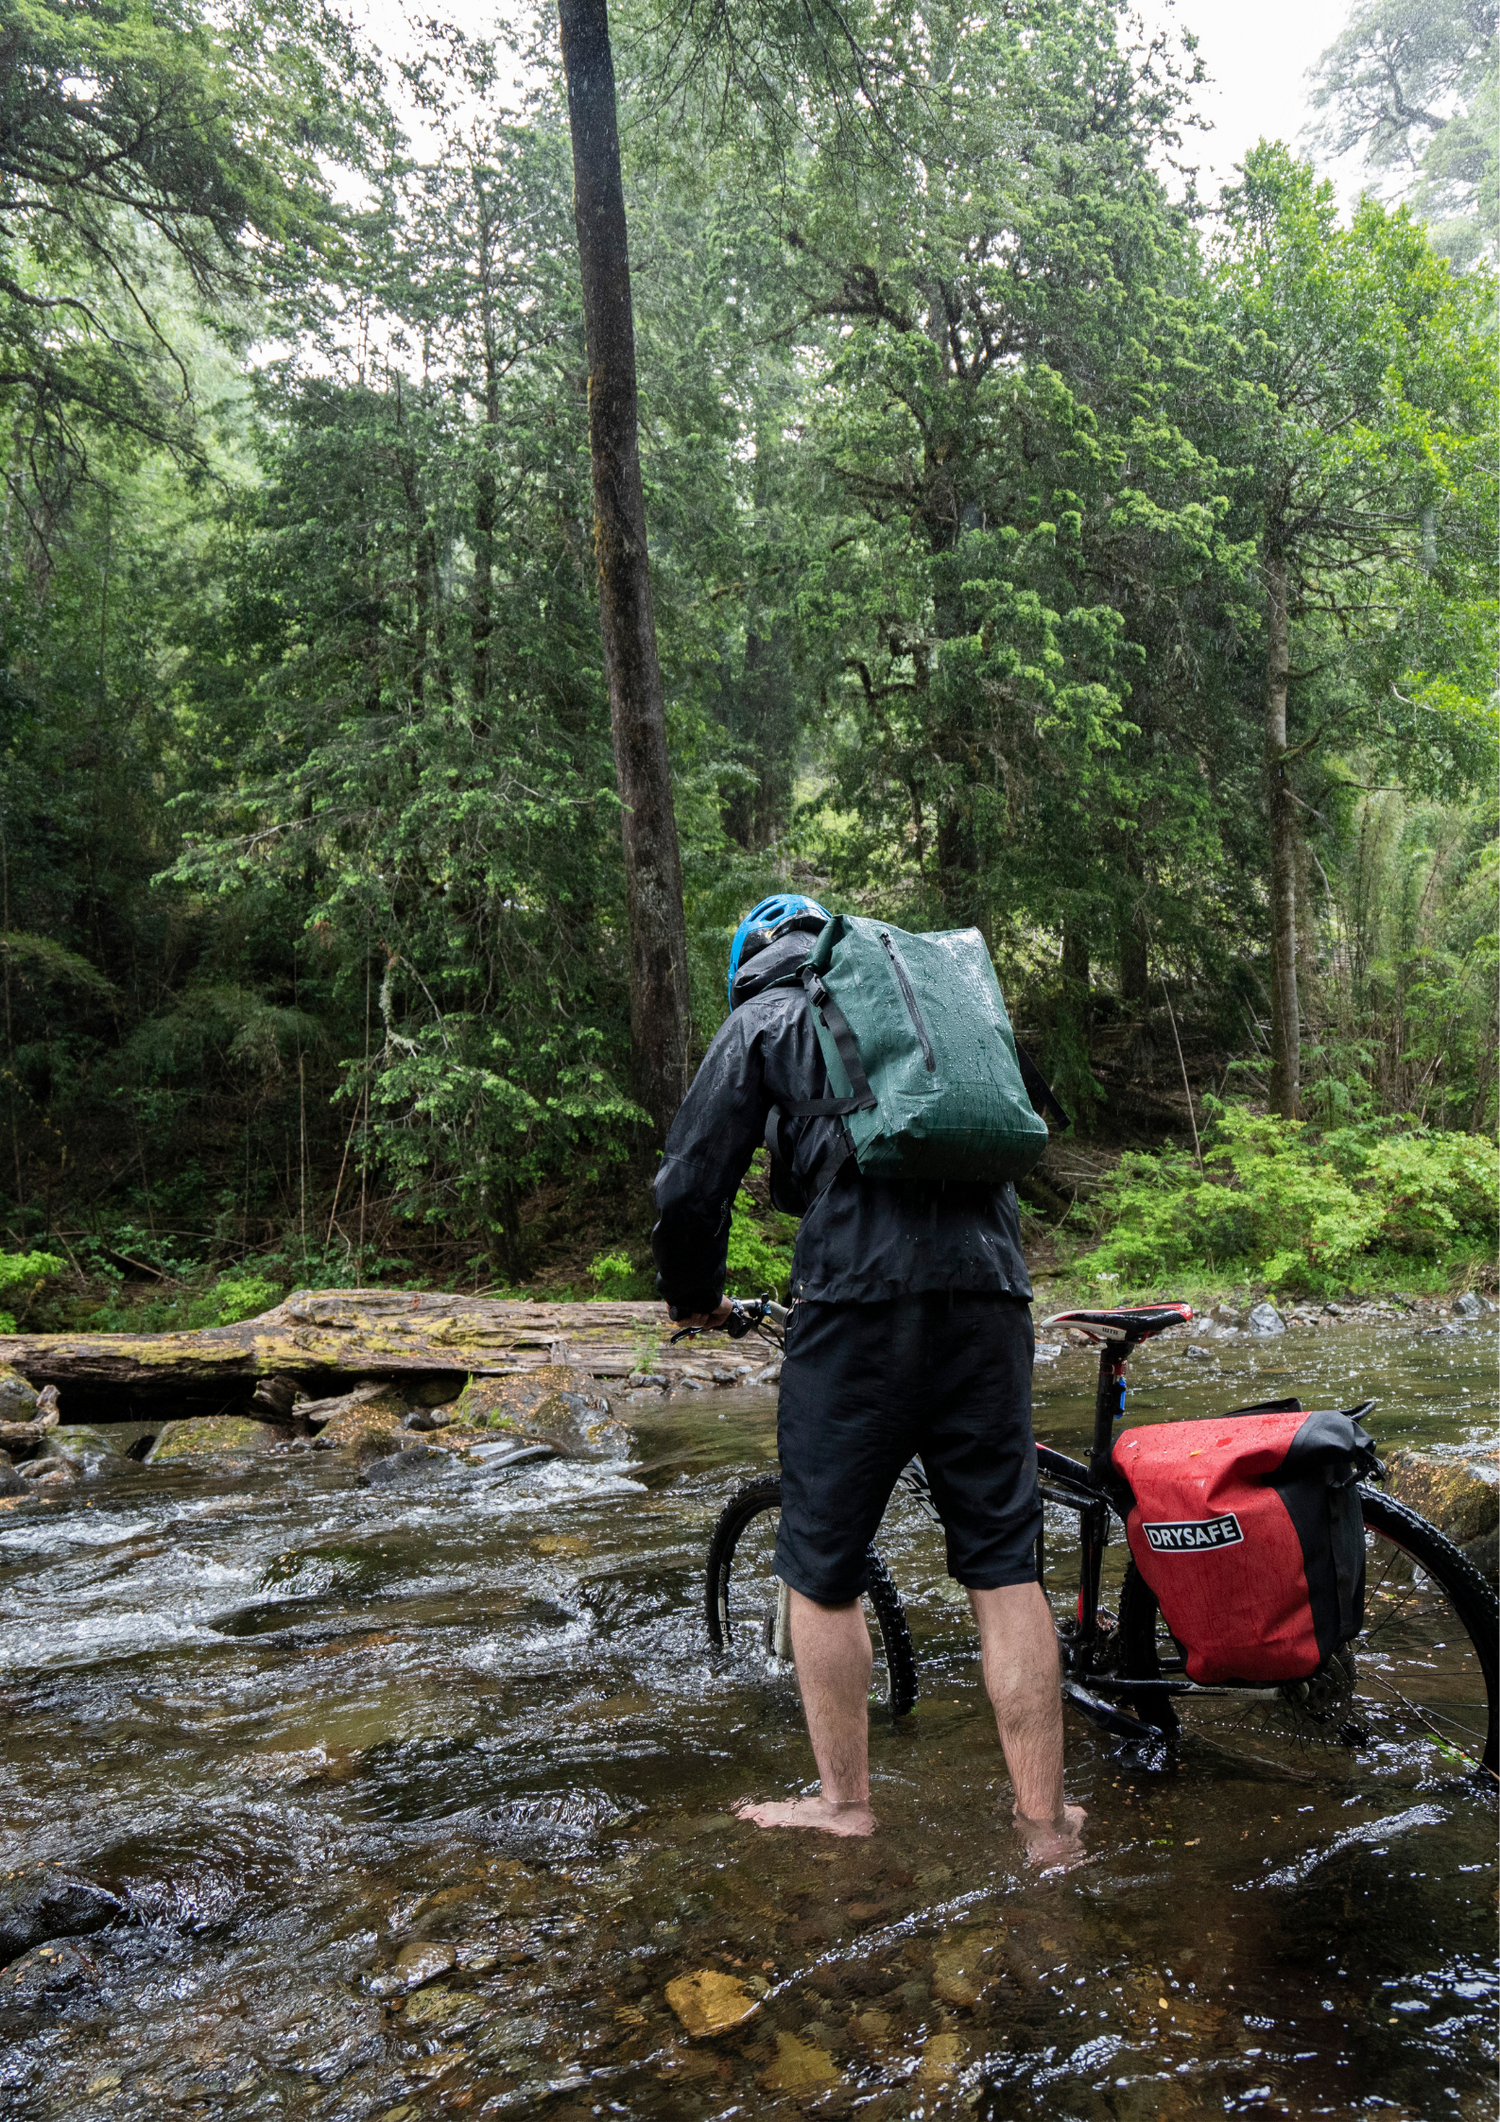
(866, 1387)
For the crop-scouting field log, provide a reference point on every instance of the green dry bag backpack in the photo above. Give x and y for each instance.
(921, 1058)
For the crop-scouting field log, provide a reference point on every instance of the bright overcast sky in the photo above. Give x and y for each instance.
(1257, 53)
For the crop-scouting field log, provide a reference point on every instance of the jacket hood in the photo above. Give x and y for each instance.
(778, 959)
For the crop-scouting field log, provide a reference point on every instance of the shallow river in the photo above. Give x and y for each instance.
(299, 1726)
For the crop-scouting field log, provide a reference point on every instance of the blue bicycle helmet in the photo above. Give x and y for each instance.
(772, 918)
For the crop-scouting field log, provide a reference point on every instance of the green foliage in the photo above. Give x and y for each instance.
(618, 1280)
(760, 1252)
(230, 1299)
(957, 434)
(1294, 1208)
(22, 1276)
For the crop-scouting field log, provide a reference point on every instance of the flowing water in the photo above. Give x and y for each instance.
(301, 1727)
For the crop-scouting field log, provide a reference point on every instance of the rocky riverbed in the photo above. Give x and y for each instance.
(382, 1770)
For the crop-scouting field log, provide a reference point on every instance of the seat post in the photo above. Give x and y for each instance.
(1109, 1407)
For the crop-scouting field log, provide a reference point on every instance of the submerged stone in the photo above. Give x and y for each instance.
(963, 1969)
(400, 1465)
(42, 1979)
(709, 2002)
(414, 1966)
(38, 1902)
(800, 2067)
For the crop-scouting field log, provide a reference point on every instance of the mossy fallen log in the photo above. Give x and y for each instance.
(322, 1342)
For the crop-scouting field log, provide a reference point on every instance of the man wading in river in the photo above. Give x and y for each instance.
(910, 1332)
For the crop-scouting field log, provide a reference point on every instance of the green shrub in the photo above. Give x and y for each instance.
(1280, 1202)
(21, 1278)
(616, 1280)
(232, 1298)
(757, 1261)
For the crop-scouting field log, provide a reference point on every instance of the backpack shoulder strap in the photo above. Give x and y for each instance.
(837, 1025)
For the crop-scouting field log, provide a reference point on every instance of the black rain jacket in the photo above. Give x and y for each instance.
(862, 1240)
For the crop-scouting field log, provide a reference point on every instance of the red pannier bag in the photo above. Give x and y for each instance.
(1248, 1530)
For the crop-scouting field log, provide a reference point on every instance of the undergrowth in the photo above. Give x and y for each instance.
(1288, 1207)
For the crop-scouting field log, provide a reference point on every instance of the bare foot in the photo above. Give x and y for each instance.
(828, 1815)
(1053, 1845)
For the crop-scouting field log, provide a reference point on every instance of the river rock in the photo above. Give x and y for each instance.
(710, 2002)
(800, 2067)
(1470, 1305)
(41, 1980)
(18, 1398)
(414, 1965)
(203, 1435)
(87, 1441)
(963, 1968)
(11, 1483)
(427, 1419)
(400, 1465)
(943, 2057)
(553, 1404)
(37, 1902)
(1266, 1319)
(1459, 1501)
(365, 1423)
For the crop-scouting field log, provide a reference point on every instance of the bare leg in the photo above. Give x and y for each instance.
(1018, 1646)
(832, 1648)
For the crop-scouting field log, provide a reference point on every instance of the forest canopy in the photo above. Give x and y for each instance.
(1035, 545)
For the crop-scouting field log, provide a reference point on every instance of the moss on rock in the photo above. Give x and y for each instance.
(202, 1435)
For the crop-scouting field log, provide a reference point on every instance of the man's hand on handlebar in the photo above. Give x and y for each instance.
(705, 1322)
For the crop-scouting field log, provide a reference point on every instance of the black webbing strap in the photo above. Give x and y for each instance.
(1038, 1090)
(833, 1159)
(837, 1023)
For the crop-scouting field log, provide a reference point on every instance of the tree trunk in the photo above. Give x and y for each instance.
(1286, 1029)
(485, 499)
(1135, 960)
(1075, 970)
(659, 1022)
(323, 1341)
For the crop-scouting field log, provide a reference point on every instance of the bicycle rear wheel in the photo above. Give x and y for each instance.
(1413, 1697)
(742, 1595)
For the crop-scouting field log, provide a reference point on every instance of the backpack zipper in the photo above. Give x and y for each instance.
(909, 998)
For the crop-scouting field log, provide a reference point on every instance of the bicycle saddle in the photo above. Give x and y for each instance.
(1131, 1323)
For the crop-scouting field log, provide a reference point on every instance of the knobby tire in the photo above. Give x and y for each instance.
(729, 1622)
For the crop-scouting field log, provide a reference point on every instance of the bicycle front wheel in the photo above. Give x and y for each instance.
(744, 1603)
(1413, 1697)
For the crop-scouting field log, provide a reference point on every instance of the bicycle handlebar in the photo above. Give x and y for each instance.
(743, 1319)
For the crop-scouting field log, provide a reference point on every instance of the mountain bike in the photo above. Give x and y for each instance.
(1414, 1693)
